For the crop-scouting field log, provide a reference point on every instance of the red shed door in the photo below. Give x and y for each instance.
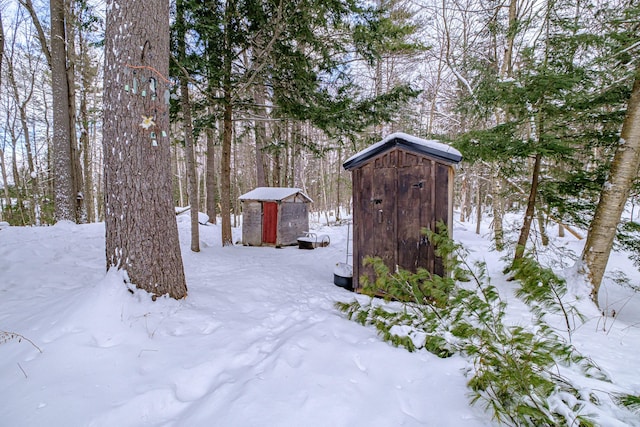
(269, 222)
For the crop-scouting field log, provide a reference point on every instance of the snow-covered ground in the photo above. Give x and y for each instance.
(257, 342)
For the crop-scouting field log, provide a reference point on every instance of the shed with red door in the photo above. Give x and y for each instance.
(401, 185)
(274, 216)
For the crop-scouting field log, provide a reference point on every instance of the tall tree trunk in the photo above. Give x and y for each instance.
(85, 139)
(16, 177)
(512, 30)
(141, 228)
(3, 168)
(76, 166)
(338, 181)
(614, 195)
(64, 194)
(1, 44)
(225, 166)
(235, 185)
(544, 236)
(192, 179)
(210, 180)
(479, 206)
(192, 184)
(260, 128)
(87, 80)
(5, 185)
(496, 207)
(227, 129)
(529, 213)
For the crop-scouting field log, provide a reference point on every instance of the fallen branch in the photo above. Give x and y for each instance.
(6, 336)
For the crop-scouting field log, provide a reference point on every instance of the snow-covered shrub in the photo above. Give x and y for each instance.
(514, 370)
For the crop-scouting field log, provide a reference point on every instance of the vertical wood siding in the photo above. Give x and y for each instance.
(395, 196)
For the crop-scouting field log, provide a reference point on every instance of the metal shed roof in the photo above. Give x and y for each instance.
(431, 148)
(273, 194)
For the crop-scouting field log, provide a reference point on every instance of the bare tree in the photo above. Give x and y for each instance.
(141, 229)
(58, 51)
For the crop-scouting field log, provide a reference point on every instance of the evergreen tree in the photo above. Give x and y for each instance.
(296, 56)
(554, 116)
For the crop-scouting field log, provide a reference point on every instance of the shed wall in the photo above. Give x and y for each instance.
(252, 223)
(293, 222)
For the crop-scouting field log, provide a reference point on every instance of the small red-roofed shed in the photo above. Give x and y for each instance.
(274, 216)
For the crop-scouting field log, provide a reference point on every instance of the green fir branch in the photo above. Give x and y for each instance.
(515, 369)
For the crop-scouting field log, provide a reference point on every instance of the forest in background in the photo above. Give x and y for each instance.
(280, 93)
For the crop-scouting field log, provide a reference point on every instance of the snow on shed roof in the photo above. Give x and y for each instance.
(273, 194)
(409, 142)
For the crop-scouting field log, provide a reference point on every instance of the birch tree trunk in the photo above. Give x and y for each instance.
(141, 228)
(496, 206)
(614, 195)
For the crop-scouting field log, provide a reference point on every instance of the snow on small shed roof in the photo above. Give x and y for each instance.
(431, 148)
(274, 194)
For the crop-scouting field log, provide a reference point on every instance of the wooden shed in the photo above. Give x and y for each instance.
(400, 185)
(274, 216)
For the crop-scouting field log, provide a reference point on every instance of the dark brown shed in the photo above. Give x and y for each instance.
(274, 216)
(400, 185)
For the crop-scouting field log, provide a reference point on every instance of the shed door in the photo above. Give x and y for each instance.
(269, 222)
(423, 200)
(415, 208)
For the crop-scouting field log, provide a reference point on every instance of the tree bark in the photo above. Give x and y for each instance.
(141, 228)
(225, 166)
(512, 29)
(64, 195)
(211, 181)
(192, 180)
(529, 213)
(260, 133)
(543, 227)
(496, 207)
(77, 187)
(479, 207)
(614, 195)
(3, 168)
(87, 80)
(227, 131)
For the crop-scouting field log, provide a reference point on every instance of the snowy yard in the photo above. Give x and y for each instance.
(257, 342)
